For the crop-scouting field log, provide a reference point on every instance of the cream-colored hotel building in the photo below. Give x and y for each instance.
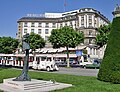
(85, 20)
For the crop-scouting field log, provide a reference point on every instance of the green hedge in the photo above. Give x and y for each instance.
(110, 67)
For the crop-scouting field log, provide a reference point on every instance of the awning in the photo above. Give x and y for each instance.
(52, 50)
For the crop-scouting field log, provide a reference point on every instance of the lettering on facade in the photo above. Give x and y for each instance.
(35, 15)
(42, 15)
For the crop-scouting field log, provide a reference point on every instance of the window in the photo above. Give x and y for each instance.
(82, 21)
(19, 25)
(18, 36)
(65, 24)
(39, 31)
(61, 25)
(90, 50)
(19, 32)
(90, 32)
(75, 24)
(25, 30)
(82, 17)
(90, 17)
(82, 24)
(25, 24)
(95, 21)
(46, 38)
(90, 20)
(90, 24)
(71, 24)
(90, 41)
(54, 25)
(32, 30)
(46, 31)
(19, 29)
(39, 24)
(47, 25)
(32, 24)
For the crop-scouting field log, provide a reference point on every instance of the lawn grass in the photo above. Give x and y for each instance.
(80, 83)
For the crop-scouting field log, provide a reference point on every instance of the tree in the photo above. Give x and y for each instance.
(110, 66)
(36, 42)
(102, 37)
(66, 37)
(8, 45)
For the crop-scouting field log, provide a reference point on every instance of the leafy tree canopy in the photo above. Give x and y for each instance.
(102, 37)
(8, 45)
(65, 37)
(36, 41)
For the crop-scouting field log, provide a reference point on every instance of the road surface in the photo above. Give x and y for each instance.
(75, 71)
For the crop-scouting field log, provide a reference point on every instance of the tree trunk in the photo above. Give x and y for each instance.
(68, 64)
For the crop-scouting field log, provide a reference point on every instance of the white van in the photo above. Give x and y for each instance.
(45, 63)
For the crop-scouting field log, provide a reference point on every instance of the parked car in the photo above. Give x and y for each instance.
(47, 65)
(72, 61)
(94, 65)
(83, 64)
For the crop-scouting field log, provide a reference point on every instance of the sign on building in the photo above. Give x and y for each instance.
(79, 53)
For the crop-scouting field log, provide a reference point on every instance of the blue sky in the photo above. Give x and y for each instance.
(12, 10)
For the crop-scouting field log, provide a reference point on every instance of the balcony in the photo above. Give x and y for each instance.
(32, 25)
(39, 25)
(24, 26)
(90, 35)
(47, 26)
(53, 26)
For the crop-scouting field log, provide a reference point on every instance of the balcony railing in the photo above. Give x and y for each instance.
(46, 26)
(90, 35)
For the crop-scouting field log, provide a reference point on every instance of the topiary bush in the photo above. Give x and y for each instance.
(110, 66)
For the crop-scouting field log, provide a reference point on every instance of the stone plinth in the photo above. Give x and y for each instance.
(34, 85)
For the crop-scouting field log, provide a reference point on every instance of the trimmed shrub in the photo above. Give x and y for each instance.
(110, 66)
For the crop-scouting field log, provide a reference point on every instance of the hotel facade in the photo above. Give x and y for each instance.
(85, 20)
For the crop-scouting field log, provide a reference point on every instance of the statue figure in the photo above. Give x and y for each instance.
(24, 75)
(117, 8)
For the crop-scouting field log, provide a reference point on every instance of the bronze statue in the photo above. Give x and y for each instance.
(24, 75)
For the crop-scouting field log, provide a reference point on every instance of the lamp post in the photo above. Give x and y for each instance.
(24, 75)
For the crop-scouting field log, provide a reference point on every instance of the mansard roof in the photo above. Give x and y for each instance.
(64, 17)
(37, 19)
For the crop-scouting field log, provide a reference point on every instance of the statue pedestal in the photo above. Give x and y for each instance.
(31, 86)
